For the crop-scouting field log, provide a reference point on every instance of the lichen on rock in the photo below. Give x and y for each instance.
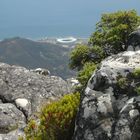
(109, 110)
(22, 93)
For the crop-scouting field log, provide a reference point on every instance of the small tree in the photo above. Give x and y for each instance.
(111, 37)
(113, 30)
(79, 56)
(82, 54)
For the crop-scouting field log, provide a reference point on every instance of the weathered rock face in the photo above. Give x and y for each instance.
(134, 39)
(22, 93)
(12, 122)
(41, 71)
(110, 105)
(73, 83)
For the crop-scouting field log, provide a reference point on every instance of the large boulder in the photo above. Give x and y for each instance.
(134, 39)
(12, 122)
(110, 105)
(10, 118)
(22, 93)
(41, 71)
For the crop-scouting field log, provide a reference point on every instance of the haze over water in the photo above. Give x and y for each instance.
(56, 18)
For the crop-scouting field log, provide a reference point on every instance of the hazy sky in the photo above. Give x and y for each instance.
(35, 18)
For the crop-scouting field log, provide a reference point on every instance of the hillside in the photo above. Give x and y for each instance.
(32, 54)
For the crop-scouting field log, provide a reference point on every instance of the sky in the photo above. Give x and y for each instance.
(53, 18)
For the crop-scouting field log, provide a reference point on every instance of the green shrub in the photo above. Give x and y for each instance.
(122, 82)
(20, 138)
(86, 72)
(136, 73)
(138, 90)
(97, 54)
(79, 56)
(56, 120)
(113, 30)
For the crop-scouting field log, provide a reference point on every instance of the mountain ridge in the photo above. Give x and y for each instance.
(32, 54)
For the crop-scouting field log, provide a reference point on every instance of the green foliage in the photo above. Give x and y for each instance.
(138, 90)
(20, 138)
(79, 56)
(96, 54)
(82, 54)
(136, 73)
(56, 120)
(136, 77)
(86, 72)
(111, 37)
(112, 31)
(122, 82)
(129, 84)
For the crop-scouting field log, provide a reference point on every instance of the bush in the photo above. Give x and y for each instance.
(136, 73)
(79, 56)
(122, 82)
(113, 30)
(138, 90)
(56, 120)
(86, 72)
(97, 54)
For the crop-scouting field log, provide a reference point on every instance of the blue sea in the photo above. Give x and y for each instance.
(56, 18)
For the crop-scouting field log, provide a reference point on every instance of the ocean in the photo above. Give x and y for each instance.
(56, 18)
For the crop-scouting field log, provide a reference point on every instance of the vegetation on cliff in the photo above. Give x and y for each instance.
(113, 30)
(57, 120)
(110, 37)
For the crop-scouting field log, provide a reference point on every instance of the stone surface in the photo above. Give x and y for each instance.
(10, 118)
(19, 83)
(41, 71)
(110, 110)
(73, 83)
(21, 102)
(13, 135)
(134, 39)
(133, 113)
(22, 93)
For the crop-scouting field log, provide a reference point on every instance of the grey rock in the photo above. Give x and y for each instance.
(136, 130)
(13, 135)
(73, 83)
(10, 118)
(41, 71)
(109, 111)
(20, 83)
(21, 102)
(22, 93)
(134, 39)
(0, 101)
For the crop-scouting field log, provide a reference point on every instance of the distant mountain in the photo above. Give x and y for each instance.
(33, 54)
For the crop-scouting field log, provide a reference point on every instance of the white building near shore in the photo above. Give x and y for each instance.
(66, 40)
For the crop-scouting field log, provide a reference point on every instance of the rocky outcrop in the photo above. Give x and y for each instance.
(73, 83)
(41, 71)
(22, 93)
(12, 122)
(110, 105)
(134, 39)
